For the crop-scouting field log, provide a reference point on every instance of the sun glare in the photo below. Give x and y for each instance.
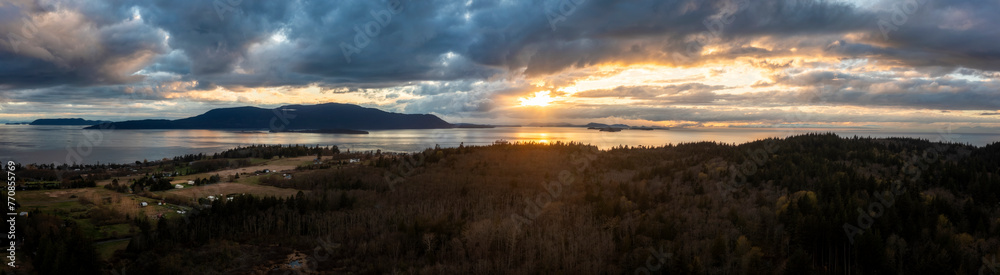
(539, 99)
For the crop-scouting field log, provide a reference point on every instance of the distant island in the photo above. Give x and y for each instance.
(325, 131)
(473, 126)
(66, 121)
(600, 126)
(593, 125)
(553, 124)
(292, 117)
(620, 127)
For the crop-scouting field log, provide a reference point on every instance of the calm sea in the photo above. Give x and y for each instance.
(69, 144)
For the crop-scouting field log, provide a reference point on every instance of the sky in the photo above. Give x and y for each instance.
(705, 63)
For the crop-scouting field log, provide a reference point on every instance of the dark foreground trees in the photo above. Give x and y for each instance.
(57, 246)
(812, 204)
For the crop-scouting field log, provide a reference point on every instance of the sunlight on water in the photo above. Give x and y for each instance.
(48, 144)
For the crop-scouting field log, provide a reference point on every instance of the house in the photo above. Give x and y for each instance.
(211, 198)
(294, 264)
(190, 182)
(143, 204)
(354, 160)
(25, 214)
(288, 176)
(178, 186)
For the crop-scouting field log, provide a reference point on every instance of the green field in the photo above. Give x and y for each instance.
(107, 249)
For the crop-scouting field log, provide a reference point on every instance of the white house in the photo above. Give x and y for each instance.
(355, 160)
(143, 204)
(190, 182)
(178, 186)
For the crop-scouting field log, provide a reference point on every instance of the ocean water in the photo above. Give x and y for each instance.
(71, 144)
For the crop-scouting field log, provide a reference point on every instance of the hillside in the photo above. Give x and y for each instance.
(811, 204)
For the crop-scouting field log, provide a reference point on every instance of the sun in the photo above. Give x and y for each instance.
(539, 99)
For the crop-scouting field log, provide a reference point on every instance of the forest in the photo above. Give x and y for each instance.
(808, 204)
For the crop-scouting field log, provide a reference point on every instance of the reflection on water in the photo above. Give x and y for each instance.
(48, 144)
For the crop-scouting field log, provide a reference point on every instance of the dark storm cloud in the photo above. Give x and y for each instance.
(956, 33)
(450, 39)
(832, 87)
(641, 31)
(451, 104)
(72, 43)
(374, 41)
(829, 88)
(97, 95)
(20, 71)
(174, 62)
(427, 40)
(91, 49)
(214, 37)
(465, 99)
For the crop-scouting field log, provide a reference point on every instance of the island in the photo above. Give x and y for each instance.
(66, 121)
(473, 126)
(618, 127)
(291, 117)
(325, 131)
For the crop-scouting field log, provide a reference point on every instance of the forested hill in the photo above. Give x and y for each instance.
(292, 117)
(811, 204)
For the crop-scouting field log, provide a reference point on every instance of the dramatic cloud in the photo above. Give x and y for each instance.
(680, 62)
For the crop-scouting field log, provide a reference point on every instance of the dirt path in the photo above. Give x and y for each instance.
(276, 165)
(112, 240)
